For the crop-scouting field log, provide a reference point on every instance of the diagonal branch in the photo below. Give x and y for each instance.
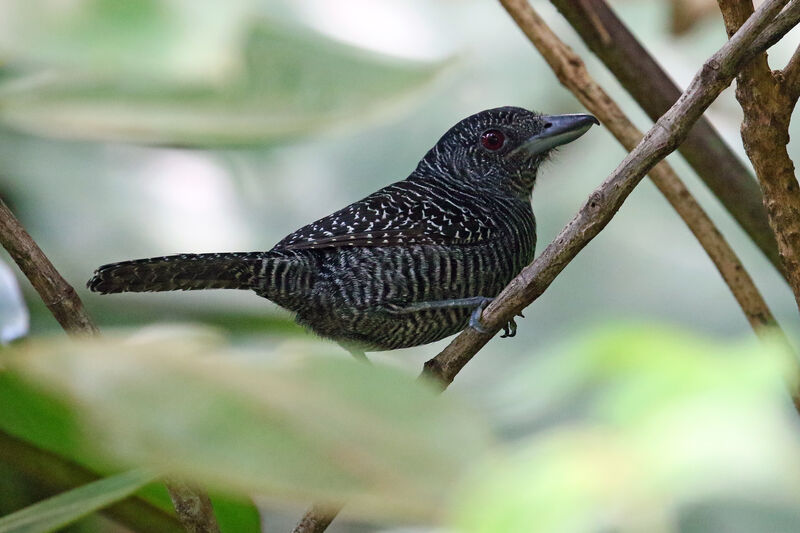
(767, 102)
(785, 21)
(662, 139)
(652, 88)
(572, 73)
(58, 295)
(62, 300)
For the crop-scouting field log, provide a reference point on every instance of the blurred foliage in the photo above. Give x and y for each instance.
(622, 429)
(65, 508)
(151, 39)
(661, 421)
(317, 427)
(128, 73)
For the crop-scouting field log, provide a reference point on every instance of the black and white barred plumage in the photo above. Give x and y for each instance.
(390, 270)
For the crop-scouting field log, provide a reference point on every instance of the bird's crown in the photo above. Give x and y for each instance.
(500, 149)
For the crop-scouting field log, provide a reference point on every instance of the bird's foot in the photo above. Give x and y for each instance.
(475, 318)
(509, 329)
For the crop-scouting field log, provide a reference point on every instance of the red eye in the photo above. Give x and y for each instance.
(493, 139)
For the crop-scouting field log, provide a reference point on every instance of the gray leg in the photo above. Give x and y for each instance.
(439, 304)
(478, 302)
(475, 318)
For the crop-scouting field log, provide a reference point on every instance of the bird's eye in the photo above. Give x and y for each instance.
(493, 139)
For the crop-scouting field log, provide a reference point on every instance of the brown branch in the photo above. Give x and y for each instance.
(571, 72)
(52, 474)
(785, 21)
(317, 519)
(652, 88)
(767, 104)
(193, 507)
(65, 305)
(58, 295)
(791, 74)
(662, 139)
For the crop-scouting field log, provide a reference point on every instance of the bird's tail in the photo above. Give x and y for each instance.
(179, 272)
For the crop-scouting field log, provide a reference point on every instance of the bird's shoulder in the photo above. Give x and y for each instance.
(405, 213)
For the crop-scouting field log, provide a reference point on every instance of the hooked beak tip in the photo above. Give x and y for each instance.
(559, 130)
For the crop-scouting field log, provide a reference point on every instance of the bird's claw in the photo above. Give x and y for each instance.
(475, 318)
(510, 329)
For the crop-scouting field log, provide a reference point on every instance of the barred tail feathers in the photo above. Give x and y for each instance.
(239, 270)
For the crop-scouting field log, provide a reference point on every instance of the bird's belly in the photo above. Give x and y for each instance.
(359, 294)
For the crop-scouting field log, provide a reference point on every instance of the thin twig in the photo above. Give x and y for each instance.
(572, 73)
(652, 88)
(662, 139)
(65, 305)
(767, 104)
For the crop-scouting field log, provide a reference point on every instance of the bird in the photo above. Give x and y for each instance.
(410, 264)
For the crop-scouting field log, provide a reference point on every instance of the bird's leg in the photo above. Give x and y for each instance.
(474, 321)
(475, 318)
(438, 304)
(509, 330)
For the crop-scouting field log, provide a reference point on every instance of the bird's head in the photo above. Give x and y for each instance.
(500, 148)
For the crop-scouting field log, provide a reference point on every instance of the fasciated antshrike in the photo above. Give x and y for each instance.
(407, 265)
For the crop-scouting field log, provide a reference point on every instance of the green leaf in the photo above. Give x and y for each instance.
(58, 511)
(310, 428)
(236, 514)
(293, 83)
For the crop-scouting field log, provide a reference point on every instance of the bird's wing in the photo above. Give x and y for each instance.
(402, 214)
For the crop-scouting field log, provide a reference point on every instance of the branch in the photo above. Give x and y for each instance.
(767, 104)
(62, 300)
(193, 507)
(662, 139)
(572, 73)
(791, 75)
(317, 519)
(53, 474)
(652, 88)
(58, 295)
(779, 27)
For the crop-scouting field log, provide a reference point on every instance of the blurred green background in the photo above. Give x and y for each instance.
(137, 129)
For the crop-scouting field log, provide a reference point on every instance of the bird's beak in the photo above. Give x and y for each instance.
(558, 130)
